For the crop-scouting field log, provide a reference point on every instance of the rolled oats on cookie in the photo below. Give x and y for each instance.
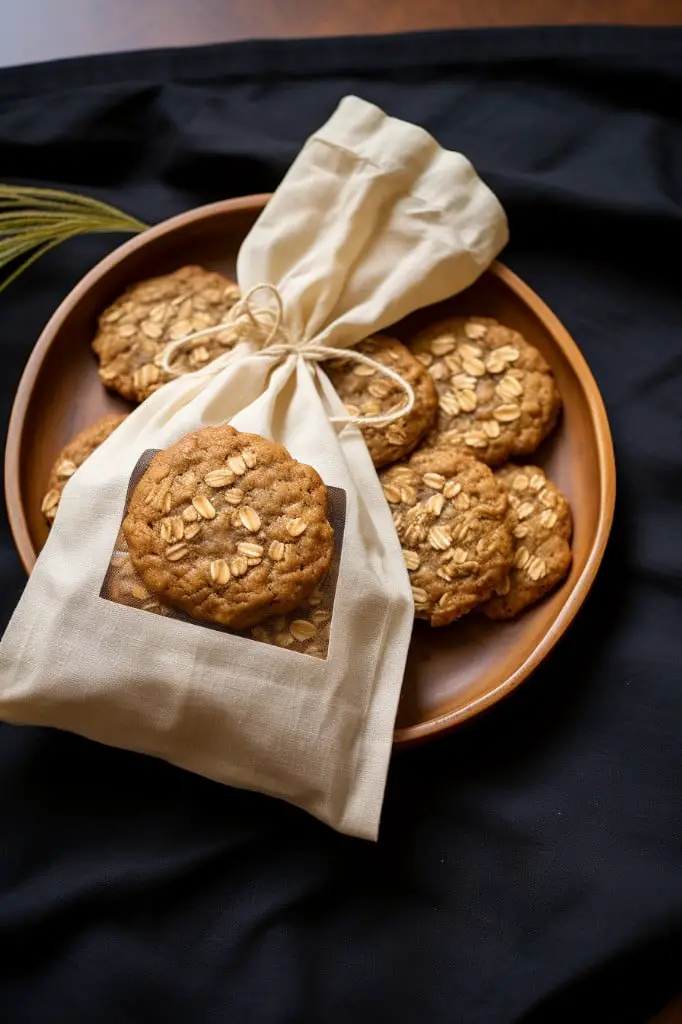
(496, 393)
(124, 586)
(74, 455)
(541, 525)
(135, 329)
(451, 518)
(367, 392)
(305, 629)
(229, 527)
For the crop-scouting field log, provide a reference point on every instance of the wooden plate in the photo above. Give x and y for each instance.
(452, 673)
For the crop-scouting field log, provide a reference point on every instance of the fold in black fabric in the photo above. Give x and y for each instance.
(530, 865)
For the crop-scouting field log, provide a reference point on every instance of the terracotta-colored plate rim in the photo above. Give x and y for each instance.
(607, 469)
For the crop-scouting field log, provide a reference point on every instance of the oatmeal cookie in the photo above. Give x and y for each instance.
(229, 527)
(540, 521)
(450, 515)
(306, 629)
(366, 392)
(74, 455)
(134, 330)
(124, 586)
(497, 396)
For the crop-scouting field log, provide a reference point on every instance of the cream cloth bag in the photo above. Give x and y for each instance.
(373, 220)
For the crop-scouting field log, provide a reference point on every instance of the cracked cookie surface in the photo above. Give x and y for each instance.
(229, 527)
(496, 393)
(134, 330)
(366, 392)
(541, 526)
(450, 516)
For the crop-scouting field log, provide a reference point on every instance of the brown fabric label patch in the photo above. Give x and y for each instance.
(305, 630)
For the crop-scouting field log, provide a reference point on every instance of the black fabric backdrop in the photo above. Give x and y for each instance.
(530, 865)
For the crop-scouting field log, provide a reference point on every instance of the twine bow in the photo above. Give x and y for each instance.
(266, 325)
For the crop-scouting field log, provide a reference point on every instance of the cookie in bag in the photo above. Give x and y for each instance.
(229, 527)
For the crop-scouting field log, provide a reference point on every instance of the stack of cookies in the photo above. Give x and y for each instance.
(216, 531)
(477, 531)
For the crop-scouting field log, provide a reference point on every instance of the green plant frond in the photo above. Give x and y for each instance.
(35, 220)
(67, 202)
(12, 248)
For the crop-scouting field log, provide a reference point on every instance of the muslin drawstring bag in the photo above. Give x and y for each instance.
(372, 221)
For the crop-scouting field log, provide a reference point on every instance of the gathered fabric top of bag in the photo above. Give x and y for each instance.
(264, 326)
(336, 265)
